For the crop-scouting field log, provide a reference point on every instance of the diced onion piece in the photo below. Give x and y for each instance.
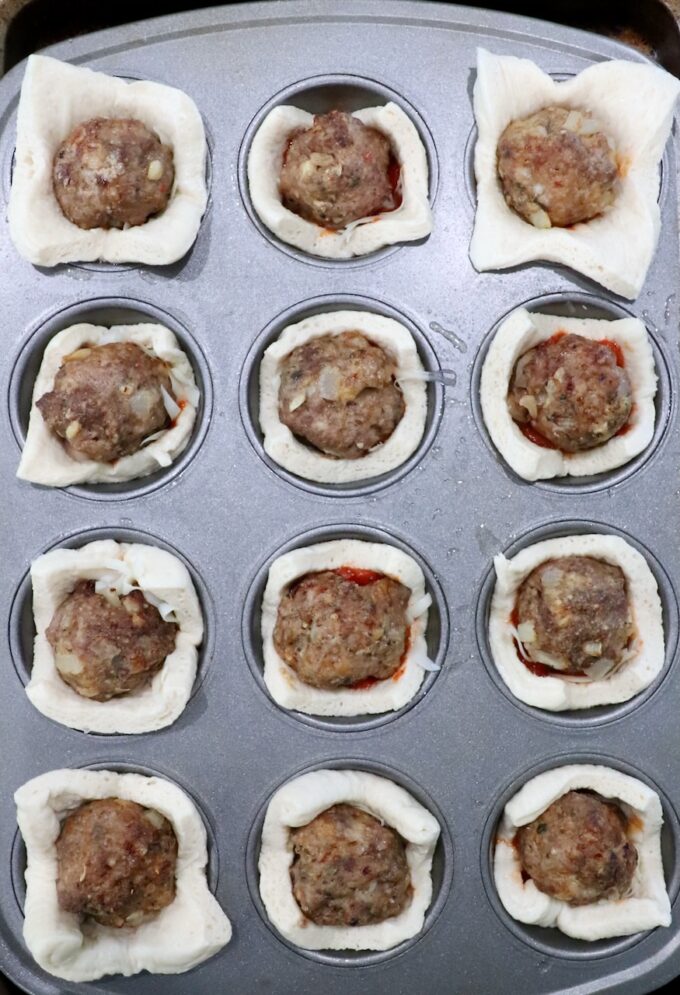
(78, 354)
(589, 126)
(154, 817)
(329, 384)
(573, 121)
(593, 648)
(539, 219)
(171, 406)
(68, 663)
(419, 606)
(529, 402)
(72, 429)
(155, 170)
(526, 632)
(297, 402)
(427, 664)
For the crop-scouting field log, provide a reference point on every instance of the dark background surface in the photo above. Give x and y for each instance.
(649, 25)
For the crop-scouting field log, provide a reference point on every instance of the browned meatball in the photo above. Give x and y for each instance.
(116, 862)
(334, 632)
(337, 171)
(108, 646)
(106, 400)
(338, 393)
(112, 173)
(557, 167)
(572, 392)
(574, 614)
(349, 869)
(578, 850)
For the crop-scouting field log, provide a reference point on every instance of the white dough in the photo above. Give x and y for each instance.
(635, 104)
(299, 458)
(558, 693)
(387, 695)
(188, 931)
(648, 904)
(300, 801)
(411, 220)
(55, 97)
(45, 460)
(165, 583)
(519, 333)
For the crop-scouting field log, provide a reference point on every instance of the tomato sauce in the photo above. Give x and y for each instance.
(359, 576)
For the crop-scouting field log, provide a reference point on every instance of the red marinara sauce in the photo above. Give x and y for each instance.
(357, 575)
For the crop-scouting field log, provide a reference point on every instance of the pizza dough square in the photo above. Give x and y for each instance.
(121, 567)
(635, 104)
(188, 931)
(55, 97)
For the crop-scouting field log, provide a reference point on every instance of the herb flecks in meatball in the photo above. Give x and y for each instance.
(116, 862)
(571, 391)
(334, 632)
(112, 173)
(573, 614)
(108, 645)
(557, 167)
(338, 394)
(106, 400)
(349, 869)
(337, 171)
(578, 850)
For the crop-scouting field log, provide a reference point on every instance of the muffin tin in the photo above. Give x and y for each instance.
(462, 746)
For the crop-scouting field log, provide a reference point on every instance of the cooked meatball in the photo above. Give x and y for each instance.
(333, 632)
(106, 646)
(573, 613)
(112, 173)
(578, 850)
(116, 862)
(338, 393)
(337, 171)
(106, 400)
(571, 390)
(349, 869)
(557, 167)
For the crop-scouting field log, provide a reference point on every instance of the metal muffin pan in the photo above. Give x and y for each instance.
(463, 745)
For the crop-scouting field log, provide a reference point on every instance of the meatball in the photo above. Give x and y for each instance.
(334, 632)
(337, 171)
(349, 869)
(571, 390)
(557, 167)
(106, 400)
(105, 646)
(578, 850)
(338, 393)
(116, 862)
(112, 173)
(573, 613)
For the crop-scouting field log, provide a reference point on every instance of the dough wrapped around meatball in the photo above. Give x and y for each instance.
(572, 392)
(578, 850)
(335, 631)
(116, 862)
(112, 173)
(349, 869)
(106, 400)
(338, 393)
(573, 613)
(337, 171)
(557, 167)
(108, 645)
